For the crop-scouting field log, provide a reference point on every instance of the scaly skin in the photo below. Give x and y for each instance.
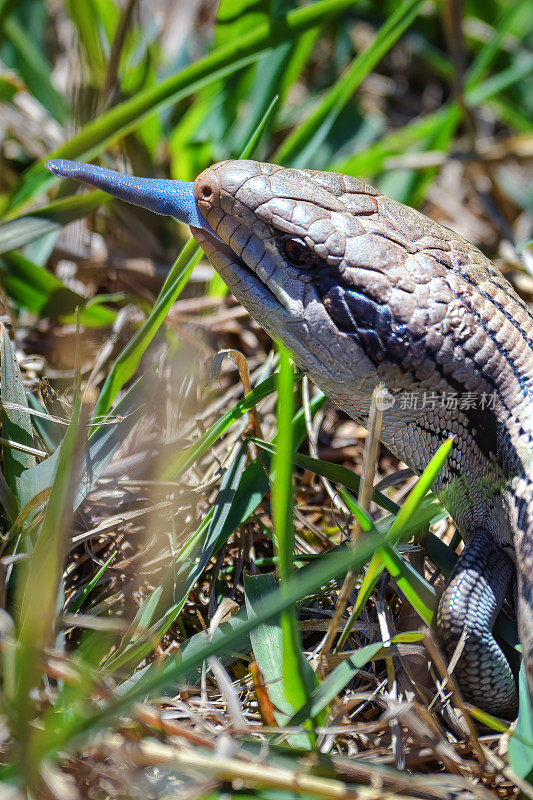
(386, 294)
(363, 289)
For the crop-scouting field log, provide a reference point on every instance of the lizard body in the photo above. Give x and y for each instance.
(363, 289)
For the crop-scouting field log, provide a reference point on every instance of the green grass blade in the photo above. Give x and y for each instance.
(19, 230)
(372, 159)
(298, 677)
(37, 290)
(8, 500)
(418, 591)
(420, 489)
(282, 494)
(100, 450)
(335, 682)
(249, 494)
(191, 646)
(180, 462)
(16, 425)
(363, 517)
(517, 119)
(125, 117)
(298, 148)
(517, 72)
(34, 69)
(408, 519)
(38, 592)
(492, 47)
(370, 578)
(521, 742)
(85, 17)
(333, 472)
(268, 648)
(78, 601)
(181, 577)
(256, 135)
(127, 362)
(104, 443)
(241, 491)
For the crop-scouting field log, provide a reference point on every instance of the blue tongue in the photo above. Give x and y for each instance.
(175, 198)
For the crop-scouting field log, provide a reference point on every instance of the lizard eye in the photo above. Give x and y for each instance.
(297, 252)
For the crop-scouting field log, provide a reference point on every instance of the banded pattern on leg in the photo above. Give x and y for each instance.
(468, 607)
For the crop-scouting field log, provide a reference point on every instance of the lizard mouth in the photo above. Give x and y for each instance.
(241, 278)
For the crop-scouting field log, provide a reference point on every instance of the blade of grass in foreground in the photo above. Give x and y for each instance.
(212, 533)
(521, 743)
(267, 646)
(337, 679)
(421, 594)
(77, 602)
(33, 66)
(372, 159)
(421, 487)
(492, 47)
(16, 426)
(40, 292)
(241, 492)
(39, 587)
(299, 679)
(238, 498)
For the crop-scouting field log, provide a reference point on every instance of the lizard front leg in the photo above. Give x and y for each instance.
(468, 609)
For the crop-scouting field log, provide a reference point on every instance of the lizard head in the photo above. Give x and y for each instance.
(359, 287)
(278, 238)
(286, 234)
